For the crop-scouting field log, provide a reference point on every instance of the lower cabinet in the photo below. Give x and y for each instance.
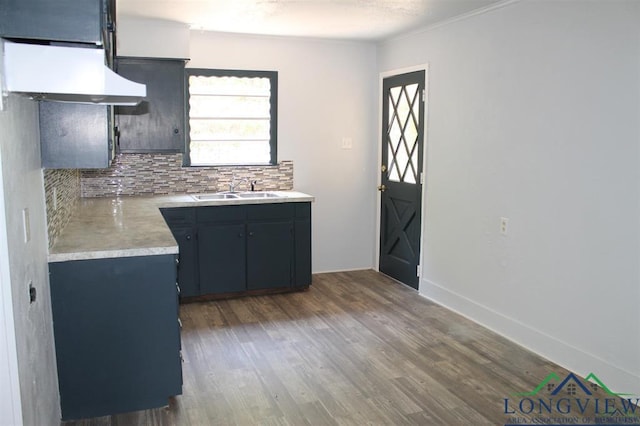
(302, 232)
(242, 248)
(117, 334)
(269, 255)
(188, 246)
(222, 259)
(182, 223)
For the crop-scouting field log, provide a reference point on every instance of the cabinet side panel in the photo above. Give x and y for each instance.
(303, 253)
(303, 245)
(116, 332)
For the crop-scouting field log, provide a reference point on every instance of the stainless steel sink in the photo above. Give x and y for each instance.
(207, 197)
(234, 195)
(258, 194)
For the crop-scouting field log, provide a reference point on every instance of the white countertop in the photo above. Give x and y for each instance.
(134, 226)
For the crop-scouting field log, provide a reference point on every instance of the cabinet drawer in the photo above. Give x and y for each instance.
(221, 214)
(270, 211)
(179, 215)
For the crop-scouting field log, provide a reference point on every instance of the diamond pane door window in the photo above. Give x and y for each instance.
(402, 136)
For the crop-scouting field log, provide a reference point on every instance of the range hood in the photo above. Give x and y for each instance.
(65, 74)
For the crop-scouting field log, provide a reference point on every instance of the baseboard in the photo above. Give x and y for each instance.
(331, 271)
(549, 347)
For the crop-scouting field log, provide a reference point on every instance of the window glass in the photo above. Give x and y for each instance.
(232, 117)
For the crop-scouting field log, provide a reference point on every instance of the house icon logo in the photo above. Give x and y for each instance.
(571, 400)
(571, 385)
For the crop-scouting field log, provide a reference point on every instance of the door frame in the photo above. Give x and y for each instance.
(381, 77)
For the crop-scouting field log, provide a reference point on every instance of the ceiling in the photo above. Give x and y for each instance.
(337, 19)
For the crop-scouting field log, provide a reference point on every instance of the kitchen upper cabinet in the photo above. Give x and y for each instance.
(117, 334)
(75, 136)
(156, 124)
(78, 21)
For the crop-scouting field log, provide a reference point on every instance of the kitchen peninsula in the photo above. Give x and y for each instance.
(116, 271)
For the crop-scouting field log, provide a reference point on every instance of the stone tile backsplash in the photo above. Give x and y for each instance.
(149, 174)
(162, 174)
(64, 185)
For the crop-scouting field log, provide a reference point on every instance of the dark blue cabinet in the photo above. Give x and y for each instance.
(222, 259)
(117, 335)
(241, 248)
(76, 136)
(78, 21)
(156, 124)
(187, 274)
(182, 222)
(270, 246)
(302, 233)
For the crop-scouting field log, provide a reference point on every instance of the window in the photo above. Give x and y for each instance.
(232, 117)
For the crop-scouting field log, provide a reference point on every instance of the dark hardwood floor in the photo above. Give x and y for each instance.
(356, 349)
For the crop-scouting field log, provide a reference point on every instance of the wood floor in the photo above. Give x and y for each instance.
(356, 349)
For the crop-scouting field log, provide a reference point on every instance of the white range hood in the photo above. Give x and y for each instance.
(65, 74)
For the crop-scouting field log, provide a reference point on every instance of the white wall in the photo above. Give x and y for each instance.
(10, 405)
(152, 38)
(21, 263)
(533, 115)
(326, 92)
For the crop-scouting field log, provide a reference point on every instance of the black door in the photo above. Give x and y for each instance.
(401, 182)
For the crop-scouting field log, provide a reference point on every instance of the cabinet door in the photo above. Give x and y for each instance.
(187, 268)
(222, 258)
(269, 255)
(60, 20)
(75, 136)
(157, 123)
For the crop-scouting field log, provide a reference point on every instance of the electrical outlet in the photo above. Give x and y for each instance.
(504, 225)
(347, 143)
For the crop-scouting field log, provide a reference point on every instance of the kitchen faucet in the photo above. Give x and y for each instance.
(234, 183)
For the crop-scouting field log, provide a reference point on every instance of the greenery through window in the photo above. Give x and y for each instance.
(232, 117)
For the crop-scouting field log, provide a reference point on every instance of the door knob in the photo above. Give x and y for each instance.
(382, 188)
